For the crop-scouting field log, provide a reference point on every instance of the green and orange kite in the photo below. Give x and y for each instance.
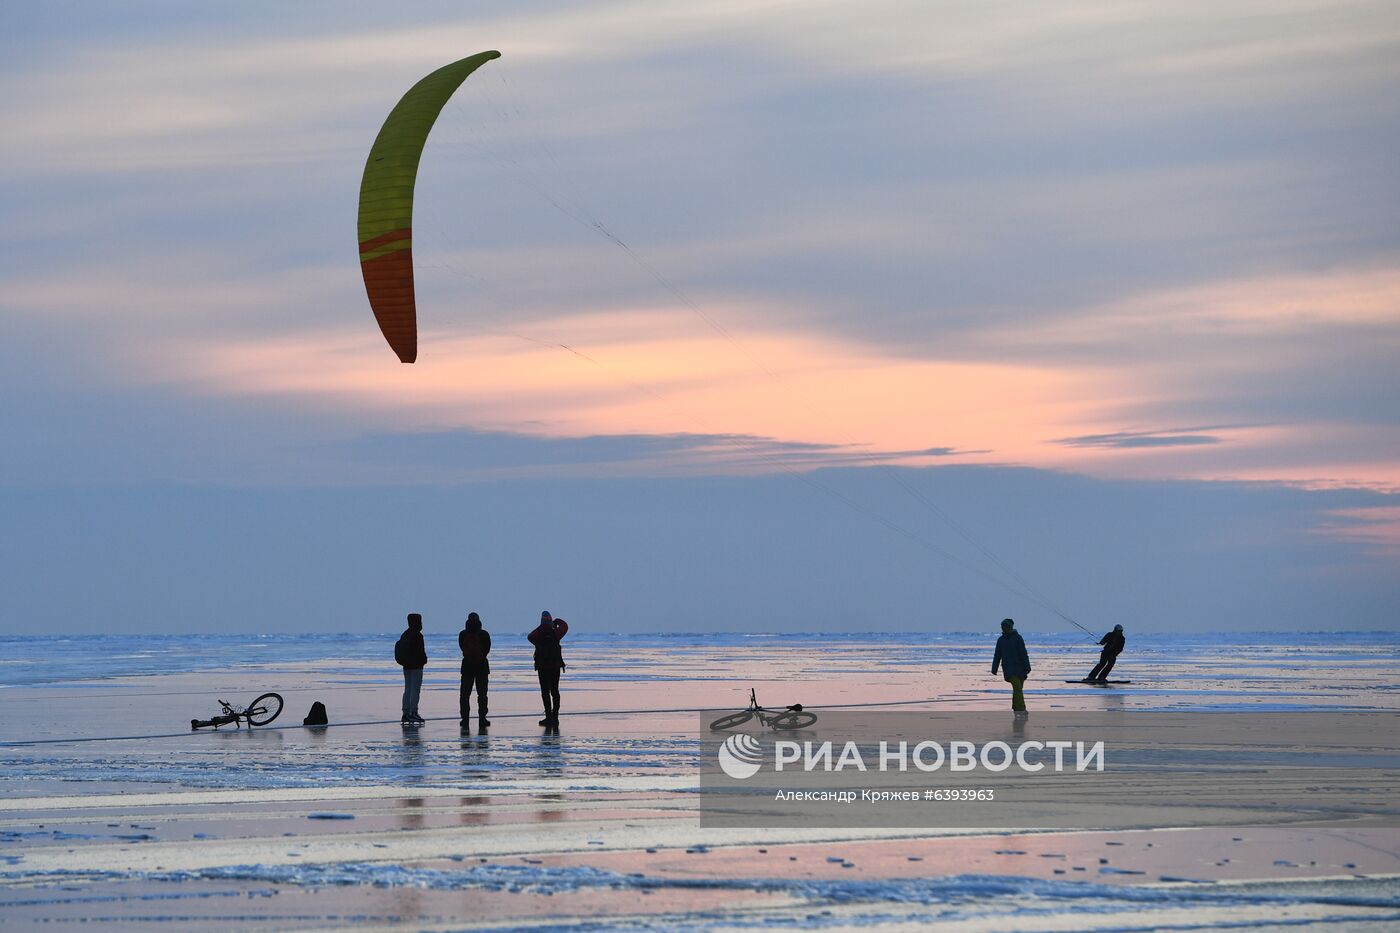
(386, 202)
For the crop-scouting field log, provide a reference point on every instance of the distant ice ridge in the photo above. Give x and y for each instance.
(539, 879)
(67, 660)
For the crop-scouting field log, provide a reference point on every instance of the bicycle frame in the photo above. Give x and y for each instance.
(230, 715)
(792, 717)
(239, 715)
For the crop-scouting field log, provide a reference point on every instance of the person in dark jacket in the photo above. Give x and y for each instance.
(549, 662)
(1015, 664)
(1112, 647)
(475, 643)
(412, 657)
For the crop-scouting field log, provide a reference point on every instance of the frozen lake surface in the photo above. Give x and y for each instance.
(111, 809)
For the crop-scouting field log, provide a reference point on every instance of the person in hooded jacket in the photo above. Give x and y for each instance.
(1014, 662)
(549, 663)
(1112, 647)
(412, 656)
(475, 643)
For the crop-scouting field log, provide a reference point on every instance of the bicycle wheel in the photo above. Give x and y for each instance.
(732, 720)
(264, 709)
(788, 721)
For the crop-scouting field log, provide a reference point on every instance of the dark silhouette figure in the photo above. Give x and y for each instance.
(317, 716)
(549, 663)
(412, 656)
(475, 643)
(1015, 664)
(1112, 647)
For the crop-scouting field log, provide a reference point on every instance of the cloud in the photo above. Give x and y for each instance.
(657, 372)
(1022, 227)
(1137, 439)
(181, 97)
(469, 455)
(1264, 353)
(1377, 528)
(1267, 352)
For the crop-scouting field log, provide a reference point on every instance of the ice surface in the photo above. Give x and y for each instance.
(536, 878)
(96, 757)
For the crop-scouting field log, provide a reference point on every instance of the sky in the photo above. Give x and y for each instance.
(756, 316)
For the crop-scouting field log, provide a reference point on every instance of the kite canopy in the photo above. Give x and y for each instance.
(386, 202)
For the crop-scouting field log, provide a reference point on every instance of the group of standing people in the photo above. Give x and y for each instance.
(475, 644)
(1015, 663)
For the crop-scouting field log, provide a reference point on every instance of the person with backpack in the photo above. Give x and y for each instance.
(1015, 664)
(412, 656)
(549, 663)
(475, 643)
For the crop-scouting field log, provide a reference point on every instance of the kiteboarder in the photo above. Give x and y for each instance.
(549, 662)
(410, 654)
(1112, 647)
(1015, 664)
(475, 643)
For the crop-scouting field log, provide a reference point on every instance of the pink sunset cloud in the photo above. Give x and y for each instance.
(664, 371)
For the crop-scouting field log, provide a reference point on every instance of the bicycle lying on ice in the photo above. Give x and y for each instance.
(260, 712)
(792, 717)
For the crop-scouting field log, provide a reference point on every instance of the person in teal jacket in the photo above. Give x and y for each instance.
(1015, 664)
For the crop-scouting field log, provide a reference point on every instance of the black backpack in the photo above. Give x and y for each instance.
(470, 643)
(399, 652)
(317, 716)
